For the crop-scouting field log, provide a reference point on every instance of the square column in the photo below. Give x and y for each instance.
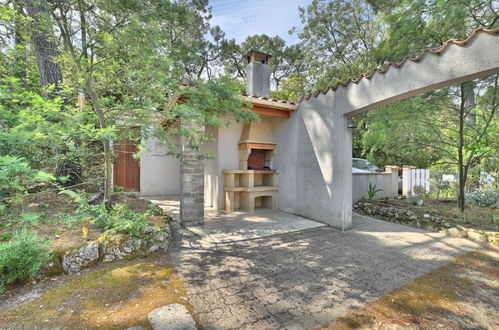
(191, 182)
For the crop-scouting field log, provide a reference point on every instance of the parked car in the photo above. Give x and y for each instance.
(360, 165)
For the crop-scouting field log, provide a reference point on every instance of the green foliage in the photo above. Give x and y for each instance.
(339, 37)
(419, 195)
(31, 219)
(154, 210)
(205, 105)
(286, 61)
(484, 198)
(397, 134)
(413, 25)
(16, 176)
(119, 219)
(372, 190)
(441, 188)
(22, 257)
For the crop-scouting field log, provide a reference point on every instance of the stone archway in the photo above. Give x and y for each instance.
(322, 185)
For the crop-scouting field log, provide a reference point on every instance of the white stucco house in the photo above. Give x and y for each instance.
(298, 158)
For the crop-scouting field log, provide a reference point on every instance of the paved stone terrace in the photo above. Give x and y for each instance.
(305, 279)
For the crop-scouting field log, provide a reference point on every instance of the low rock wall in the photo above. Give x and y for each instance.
(426, 221)
(105, 249)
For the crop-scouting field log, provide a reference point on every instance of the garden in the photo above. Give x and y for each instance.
(44, 226)
(439, 210)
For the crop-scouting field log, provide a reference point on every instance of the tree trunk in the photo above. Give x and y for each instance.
(108, 183)
(108, 153)
(467, 104)
(45, 45)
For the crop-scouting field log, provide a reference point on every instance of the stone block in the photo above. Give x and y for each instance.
(171, 317)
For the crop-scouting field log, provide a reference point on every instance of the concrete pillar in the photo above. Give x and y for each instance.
(394, 170)
(191, 182)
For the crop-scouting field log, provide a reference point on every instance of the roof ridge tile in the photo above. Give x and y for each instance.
(412, 58)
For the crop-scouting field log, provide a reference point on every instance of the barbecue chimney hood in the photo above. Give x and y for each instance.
(257, 74)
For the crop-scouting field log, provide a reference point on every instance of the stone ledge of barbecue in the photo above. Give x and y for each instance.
(251, 189)
(250, 171)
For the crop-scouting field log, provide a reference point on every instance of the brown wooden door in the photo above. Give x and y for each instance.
(126, 168)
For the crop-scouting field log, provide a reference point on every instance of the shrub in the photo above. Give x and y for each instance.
(154, 210)
(484, 198)
(16, 175)
(121, 219)
(22, 257)
(372, 190)
(418, 196)
(413, 199)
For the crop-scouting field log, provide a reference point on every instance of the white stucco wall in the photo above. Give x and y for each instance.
(386, 181)
(227, 157)
(211, 177)
(322, 143)
(324, 173)
(285, 160)
(159, 174)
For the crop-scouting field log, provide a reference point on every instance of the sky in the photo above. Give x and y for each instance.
(242, 18)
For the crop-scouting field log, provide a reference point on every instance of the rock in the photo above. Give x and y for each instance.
(456, 232)
(136, 328)
(426, 216)
(153, 248)
(163, 240)
(113, 252)
(171, 317)
(73, 261)
(476, 236)
(148, 231)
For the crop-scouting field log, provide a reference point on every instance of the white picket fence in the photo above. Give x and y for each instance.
(412, 177)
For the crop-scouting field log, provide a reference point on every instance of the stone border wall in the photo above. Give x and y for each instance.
(427, 221)
(107, 248)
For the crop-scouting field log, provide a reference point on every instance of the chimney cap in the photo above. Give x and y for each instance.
(256, 56)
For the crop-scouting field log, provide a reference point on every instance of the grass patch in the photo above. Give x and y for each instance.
(115, 296)
(442, 298)
(472, 217)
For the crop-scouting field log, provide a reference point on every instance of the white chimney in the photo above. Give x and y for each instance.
(257, 74)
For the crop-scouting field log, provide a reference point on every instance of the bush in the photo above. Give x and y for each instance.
(418, 196)
(119, 219)
(372, 190)
(22, 257)
(484, 198)
(16, 176)
(154, 210)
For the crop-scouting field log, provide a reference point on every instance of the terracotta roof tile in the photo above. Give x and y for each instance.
(404, 60)
(269, 99)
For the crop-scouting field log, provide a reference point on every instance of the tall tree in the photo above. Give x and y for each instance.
(285, 61)
(129, 70)
(44, 43)
(339, 37)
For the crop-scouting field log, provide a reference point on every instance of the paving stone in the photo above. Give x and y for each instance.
(171, 317)
(305, 279)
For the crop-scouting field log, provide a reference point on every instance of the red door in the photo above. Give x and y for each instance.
(126, 168)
